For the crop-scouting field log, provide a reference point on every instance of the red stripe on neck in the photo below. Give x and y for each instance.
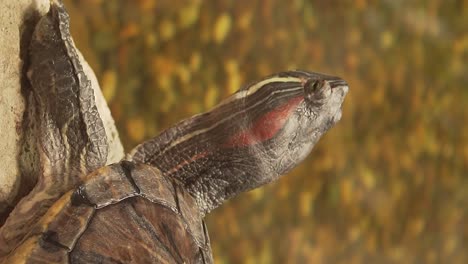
(264, 127)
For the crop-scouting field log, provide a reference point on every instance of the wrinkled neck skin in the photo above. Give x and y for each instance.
(250, 139)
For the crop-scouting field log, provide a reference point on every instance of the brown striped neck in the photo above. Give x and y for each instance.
(249, 139)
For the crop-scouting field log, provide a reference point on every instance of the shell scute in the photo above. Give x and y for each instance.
(65, 221)
(136, 230)
(109, 186)
(68, 223)
(55, 234)
(154, 186)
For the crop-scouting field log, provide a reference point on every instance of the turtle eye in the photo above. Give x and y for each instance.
(315, 87)
(316, 91)
(312, 87)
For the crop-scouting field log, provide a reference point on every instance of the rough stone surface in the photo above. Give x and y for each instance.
(13, 13)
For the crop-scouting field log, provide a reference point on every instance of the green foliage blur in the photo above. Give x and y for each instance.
(388, 184)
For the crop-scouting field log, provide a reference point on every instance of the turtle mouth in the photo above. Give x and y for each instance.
(339, 89)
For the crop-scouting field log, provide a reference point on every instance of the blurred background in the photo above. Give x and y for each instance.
(388, 184)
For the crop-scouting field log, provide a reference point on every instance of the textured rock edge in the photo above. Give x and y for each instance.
(13, 13)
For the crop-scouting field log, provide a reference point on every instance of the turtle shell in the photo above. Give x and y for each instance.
(123, 213)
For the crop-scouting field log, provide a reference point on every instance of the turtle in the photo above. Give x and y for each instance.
(150, 206)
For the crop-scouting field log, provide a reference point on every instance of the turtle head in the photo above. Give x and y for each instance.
(302, 107)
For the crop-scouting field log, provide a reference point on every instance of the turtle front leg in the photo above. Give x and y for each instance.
(72, 140)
